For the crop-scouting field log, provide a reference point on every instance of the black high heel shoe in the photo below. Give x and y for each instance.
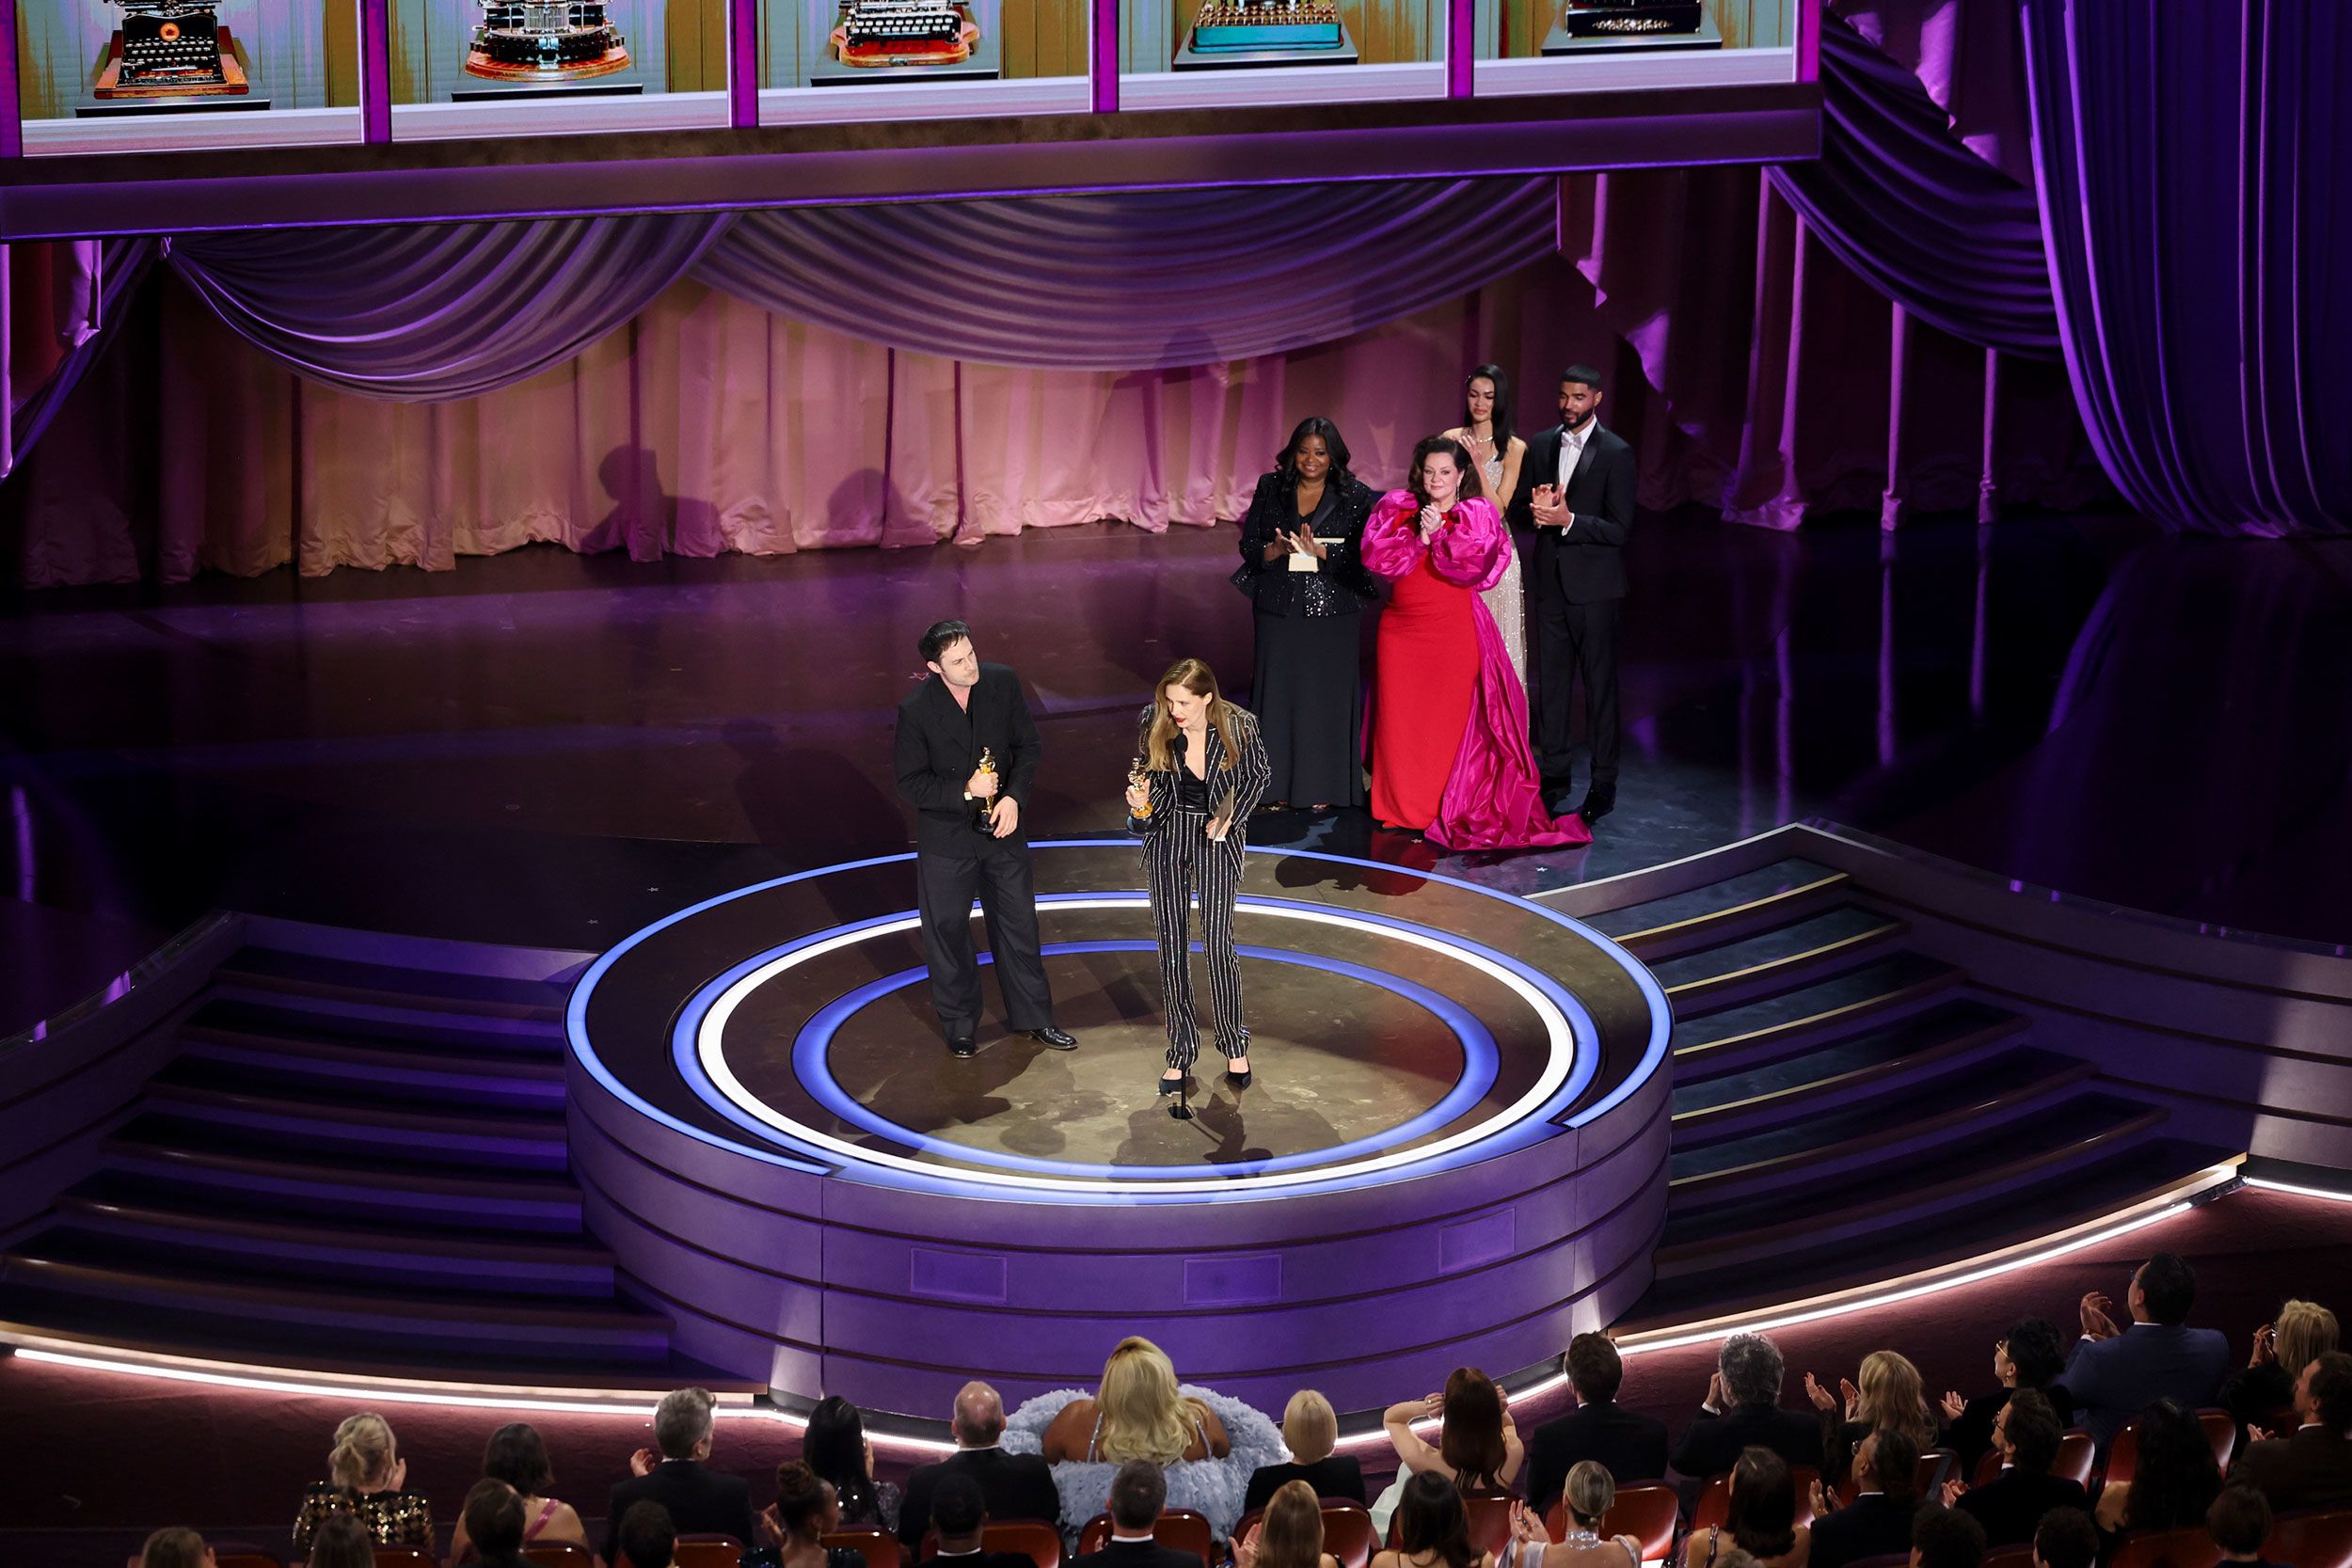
(1239, 1080)
(1169, 1086)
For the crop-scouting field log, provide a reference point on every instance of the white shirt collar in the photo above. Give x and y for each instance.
(979, 1447)
(1144, 1540)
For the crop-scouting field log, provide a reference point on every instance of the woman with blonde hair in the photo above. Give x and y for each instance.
(367, 1479)
(1585, 1499)
(1290, 1535)
(2263, 1393)
(1890, 1395)
(1137, 1413)
(1202, 771)
(1310, 1430)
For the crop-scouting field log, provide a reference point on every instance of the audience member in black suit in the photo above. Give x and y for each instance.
(1945, 1538)
(1877, 1522)
(2012, 1505)
(2066, 1538)
(1432, 1527)
(1759, 1517)
(1012, 1485)
(1630, 1445)
(959, 1520)
(648, 1538)
(2239, 1522)
(494, 1522)
(1138, 1495)
(2261, 1393)
(2114, 1373)
(2174, 1480)
(2312, 1467)
(1310, 1428)
(2027, 1357)
(1742, 1411)
(699, 1499)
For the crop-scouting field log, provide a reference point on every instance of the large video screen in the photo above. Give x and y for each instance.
(101, 76)
(474, 67)
(895, 59)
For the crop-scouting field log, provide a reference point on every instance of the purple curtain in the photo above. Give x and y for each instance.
(1138, 280)
(427, 313)
(2198, 178)
(100, 285)
(1922, 218)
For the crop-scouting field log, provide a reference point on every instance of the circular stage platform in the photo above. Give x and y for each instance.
(1453, 1151)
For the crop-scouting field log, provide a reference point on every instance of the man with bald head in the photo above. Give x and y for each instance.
(1015, 1485)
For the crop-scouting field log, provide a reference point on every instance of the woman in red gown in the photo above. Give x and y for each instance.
(1449, 719)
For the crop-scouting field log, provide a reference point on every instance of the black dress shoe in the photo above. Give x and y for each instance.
(1597, 804)
(963, 1046)
(1054, 1037)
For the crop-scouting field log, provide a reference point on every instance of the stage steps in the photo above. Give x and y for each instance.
(1847, 1108)
(346, 1157)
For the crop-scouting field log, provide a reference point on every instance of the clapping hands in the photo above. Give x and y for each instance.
(2097, 1324)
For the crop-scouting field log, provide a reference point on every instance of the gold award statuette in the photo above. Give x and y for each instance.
(981, 803)
(1138, 779)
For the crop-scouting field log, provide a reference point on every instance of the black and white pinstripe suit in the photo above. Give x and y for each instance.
(1181, 862)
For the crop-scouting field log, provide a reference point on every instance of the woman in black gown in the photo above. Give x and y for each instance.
(1309, 595)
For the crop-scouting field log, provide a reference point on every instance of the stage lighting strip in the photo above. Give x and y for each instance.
(1574, 1044)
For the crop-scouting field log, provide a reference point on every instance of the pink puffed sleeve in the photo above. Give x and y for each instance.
(1474, 549)
(1393, 546)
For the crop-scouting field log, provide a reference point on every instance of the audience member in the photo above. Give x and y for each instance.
(837, 1449)
(177, 1548)
(1310, 1430)
(2312, 1467)
(2261, 1393)
(341, 1541)
(960, 1527)
(1632, 1445)
(2240, 1523)
(2027, 1357)
(368, 1479)
(1290, 1535)
(2114, 1373)
(1585, 1495)
(1945, 1538)
(2173, 1480)
(1138, 1494)
(1877, 1522)
(647, 1536)
(793, 1533)
(1432, 1527)
(518, 1456)
(699, 1501)
(1890, 1395)
(1014, 1485)
(1478, 1449)
(1137, 1413)
(1761, 1519)
(2012, 1505)
(492, 1519)
(1742, 1411)
(2066, 1538)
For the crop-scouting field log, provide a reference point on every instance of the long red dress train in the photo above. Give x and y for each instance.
(1448, 735)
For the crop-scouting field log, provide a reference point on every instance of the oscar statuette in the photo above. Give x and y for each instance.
(981, 805)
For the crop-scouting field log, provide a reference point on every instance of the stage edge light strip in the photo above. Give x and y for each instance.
(2269, 1186)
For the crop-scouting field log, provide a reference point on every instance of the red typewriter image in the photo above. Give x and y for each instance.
(904, 33)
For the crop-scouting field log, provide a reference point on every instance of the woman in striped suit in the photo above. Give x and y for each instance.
(1202, 772)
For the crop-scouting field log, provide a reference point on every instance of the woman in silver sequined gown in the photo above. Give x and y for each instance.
(1486, 430)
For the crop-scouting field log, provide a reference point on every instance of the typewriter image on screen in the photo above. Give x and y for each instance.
(1242, 27)
(1600, 19)
(168, 49)
(882, 33)
(544, 40)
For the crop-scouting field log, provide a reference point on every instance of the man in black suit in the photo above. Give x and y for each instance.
(1632, 1445)
(1138, 1494)
(959, 1520)
(700, 1502)
(965, 714)
(2115, 1375)
(1945, 1538)
(1742, 1410)
(1570, 518)
(2012, 1505)
(1877, 1522)
(2311, 1466)
(1012, 1485)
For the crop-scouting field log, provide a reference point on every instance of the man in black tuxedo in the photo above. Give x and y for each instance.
(1742, 1410)
(700, 1502)
(1632, 1445)
(1138, 1494)
(1877, 1522)
(1012, 1485)
(2116, 1374)
(964, 712)
(2011, 1506)
(1570, 518)
(960, 1519)
(2311, 1466)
